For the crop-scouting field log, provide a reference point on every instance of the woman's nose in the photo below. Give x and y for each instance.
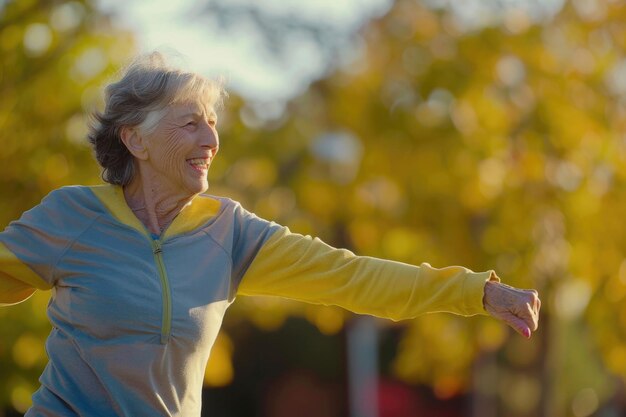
(209, 137)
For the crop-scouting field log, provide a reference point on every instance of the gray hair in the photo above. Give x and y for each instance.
(140, 99)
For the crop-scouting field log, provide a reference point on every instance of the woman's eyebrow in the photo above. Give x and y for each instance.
(188, 114)
(197, 115)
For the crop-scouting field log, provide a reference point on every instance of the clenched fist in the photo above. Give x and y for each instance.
(517, 308)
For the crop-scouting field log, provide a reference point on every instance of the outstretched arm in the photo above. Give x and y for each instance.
(303, 268)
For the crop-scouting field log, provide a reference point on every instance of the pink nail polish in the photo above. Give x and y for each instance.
(527, 333)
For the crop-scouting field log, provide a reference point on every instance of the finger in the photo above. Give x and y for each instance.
(524, 311)
(530, 317)
(529, 311)
(535, 322)
(536, 308)
(536, 302)
(518, 324)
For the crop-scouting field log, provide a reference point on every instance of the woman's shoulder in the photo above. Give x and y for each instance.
(224, 203)
(62, 212)
(69, 198)
(221, 207)
(68, 193)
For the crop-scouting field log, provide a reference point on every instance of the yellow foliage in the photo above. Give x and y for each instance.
(328, 320)
(616, 360)
(219, 370)
(21, 397)
(28, 350)
(491, 335)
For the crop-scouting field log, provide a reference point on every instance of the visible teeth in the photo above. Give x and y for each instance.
(198, 161)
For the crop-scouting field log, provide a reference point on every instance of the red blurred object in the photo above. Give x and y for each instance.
(302, 394)
(397, 399)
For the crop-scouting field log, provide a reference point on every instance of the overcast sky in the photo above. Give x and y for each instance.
(239, 54)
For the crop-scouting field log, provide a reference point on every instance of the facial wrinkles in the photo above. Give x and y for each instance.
(173, 149)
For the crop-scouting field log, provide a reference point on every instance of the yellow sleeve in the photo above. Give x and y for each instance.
(17, 280)
(303, 268)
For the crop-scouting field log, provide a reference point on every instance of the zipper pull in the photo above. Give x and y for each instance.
(156, 247)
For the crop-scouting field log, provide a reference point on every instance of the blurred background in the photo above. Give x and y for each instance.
(490, 134)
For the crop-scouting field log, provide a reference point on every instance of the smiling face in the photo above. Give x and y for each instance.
(180, 149)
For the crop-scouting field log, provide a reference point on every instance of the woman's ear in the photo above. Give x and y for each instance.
(134, 141)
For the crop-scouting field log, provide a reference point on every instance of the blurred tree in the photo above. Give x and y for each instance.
(500, 147)
(55, 55)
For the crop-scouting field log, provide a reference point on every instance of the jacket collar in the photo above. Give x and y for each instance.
(200, 211)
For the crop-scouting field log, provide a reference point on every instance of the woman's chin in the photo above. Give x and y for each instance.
(198, 187)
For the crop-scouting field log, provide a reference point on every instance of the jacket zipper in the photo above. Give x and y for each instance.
(166, 324)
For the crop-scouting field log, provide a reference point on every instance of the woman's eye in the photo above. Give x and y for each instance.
(191, 123)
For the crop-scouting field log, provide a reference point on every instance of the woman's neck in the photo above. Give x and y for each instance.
(153, 205)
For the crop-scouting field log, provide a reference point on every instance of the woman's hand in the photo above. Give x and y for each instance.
(517, 308)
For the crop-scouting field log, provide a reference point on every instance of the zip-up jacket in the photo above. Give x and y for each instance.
(134, 315)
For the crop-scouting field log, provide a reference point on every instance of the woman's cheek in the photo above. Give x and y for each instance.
(173, 149)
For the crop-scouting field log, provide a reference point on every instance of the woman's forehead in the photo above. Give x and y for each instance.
(189, 107)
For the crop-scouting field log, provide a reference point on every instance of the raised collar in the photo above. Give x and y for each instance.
(198, 212)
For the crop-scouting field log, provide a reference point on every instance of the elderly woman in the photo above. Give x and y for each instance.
(142, 269)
